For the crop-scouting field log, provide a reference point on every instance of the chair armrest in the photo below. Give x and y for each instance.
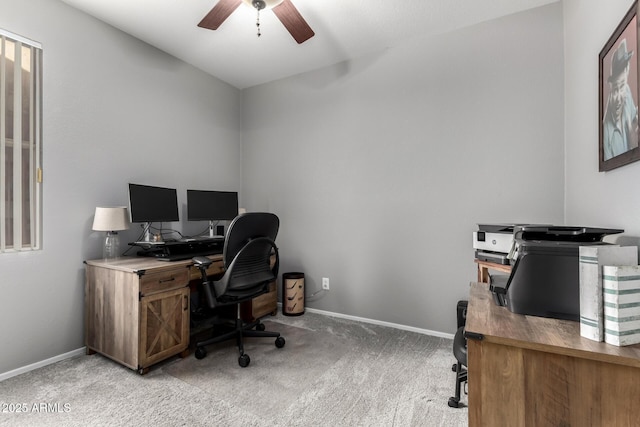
(203, 261)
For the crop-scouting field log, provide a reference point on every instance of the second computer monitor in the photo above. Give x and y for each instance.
(211, 205)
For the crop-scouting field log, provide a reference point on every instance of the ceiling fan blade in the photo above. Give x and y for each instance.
(293, 21)
(219, 13)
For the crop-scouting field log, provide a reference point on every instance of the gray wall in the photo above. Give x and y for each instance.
(594, 198)
(380, 167)
(115, 111)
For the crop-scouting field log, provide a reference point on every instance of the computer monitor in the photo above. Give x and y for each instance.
(211, 206)
(149, 204)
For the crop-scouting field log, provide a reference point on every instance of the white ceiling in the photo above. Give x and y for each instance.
(344, 29)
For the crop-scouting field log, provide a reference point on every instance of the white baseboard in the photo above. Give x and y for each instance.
(82, 351)
(378, 322)
(25, 369)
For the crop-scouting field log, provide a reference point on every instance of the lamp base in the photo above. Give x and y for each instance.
(111, 248)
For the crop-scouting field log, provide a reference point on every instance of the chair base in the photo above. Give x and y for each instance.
(461, 378)
(241, 330)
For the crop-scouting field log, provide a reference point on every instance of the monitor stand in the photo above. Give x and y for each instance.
(147, 240)
(212, 234)
(147, 232)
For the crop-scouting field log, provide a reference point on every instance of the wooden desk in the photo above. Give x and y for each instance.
(485, 266)
(534, 371)
(137, 309)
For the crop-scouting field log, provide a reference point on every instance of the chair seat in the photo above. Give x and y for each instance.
(235, 296)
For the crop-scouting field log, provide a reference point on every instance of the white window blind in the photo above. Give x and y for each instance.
(20, 143)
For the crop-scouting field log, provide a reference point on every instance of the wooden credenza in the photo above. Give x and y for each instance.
(137, 309)
(534, 371)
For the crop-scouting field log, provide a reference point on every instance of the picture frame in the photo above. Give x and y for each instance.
(618, 95)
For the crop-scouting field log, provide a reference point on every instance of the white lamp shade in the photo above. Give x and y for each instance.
(111, 219)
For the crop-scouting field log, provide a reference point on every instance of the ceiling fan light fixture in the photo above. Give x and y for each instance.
(263, 4)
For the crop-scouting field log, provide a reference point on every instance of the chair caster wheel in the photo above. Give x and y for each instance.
(280, 342)
(260, 327)
(201, 353)
(244, 360)
(454, 403)
(453, 367)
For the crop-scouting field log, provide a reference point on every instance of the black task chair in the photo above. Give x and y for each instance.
(248, 248)
(460, 353)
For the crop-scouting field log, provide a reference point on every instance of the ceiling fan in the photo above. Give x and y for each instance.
(283, 9)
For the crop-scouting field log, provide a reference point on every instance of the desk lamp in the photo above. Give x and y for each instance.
(111, 220)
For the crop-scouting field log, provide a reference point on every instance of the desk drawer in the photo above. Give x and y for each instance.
(164, 281)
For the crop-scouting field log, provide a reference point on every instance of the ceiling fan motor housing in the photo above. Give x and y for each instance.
(263, 4)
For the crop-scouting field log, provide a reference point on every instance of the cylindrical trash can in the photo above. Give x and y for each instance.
(293, 294)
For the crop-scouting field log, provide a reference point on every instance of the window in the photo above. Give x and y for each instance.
(20, 143)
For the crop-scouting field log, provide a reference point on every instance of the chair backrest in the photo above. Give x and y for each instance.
(246, 227)
(248, 247)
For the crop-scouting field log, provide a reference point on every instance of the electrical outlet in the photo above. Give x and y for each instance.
(325, 283)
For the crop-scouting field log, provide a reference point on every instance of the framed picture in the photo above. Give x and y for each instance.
(618, 95)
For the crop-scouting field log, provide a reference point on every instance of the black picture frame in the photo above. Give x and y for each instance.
(618, 124)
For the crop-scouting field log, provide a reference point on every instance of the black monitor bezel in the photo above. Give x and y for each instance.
(214, 196)
(164, 209)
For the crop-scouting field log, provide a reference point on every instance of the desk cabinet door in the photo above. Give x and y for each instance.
(164, 325)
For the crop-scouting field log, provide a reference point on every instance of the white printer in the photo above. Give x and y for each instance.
(494, 242)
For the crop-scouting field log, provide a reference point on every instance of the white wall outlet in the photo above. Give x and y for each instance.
(325, 283)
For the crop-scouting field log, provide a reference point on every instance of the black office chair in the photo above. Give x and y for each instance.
(248, 248)
(460, 353)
